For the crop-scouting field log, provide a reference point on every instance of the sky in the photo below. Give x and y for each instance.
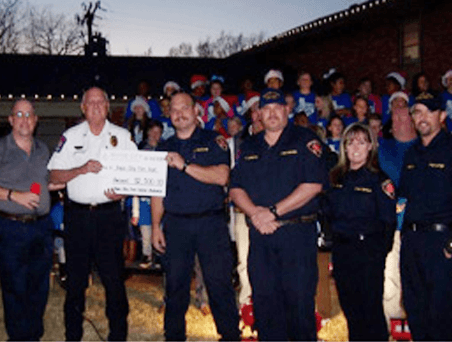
(134, 26)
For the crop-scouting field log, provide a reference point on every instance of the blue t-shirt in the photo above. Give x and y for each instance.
(306, 103)
(334, 144)
(446, 104)
(390, 154)
(342, 101)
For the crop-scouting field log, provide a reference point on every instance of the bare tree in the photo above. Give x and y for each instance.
(148, 52)
(183, 50)
(226, 44)
(52, 34)
(9, 29)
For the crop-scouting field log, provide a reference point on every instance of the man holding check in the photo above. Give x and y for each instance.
(191, 220)
(93, 224)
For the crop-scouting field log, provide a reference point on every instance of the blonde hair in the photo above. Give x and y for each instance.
(343, 165)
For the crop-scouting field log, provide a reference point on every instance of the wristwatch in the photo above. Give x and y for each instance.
(272, 209)
(186, 163)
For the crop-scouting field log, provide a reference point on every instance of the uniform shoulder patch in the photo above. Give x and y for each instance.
(221, 141)
(315, 147)
(60, 144)
(388, 188)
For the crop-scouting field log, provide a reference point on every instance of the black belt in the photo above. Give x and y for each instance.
(24, 218)
(347, 238)
(198, 215)
(427, 227)
(302, 219)
(93, 206)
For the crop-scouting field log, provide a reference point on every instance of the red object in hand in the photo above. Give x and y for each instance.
(247, 314)
(35, 188)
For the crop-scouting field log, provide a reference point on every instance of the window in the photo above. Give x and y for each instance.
(411, 43)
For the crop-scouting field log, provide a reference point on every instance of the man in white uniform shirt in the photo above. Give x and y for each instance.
(93, 223)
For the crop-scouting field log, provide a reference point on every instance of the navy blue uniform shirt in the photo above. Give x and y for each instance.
(426, 181)
(363, 202)
(184, 194)
(269, 174)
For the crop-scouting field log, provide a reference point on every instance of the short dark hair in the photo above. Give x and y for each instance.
(154, 123)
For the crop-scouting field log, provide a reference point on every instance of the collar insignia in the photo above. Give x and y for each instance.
(113, 141)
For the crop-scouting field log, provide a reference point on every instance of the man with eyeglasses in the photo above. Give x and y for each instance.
(25, 227)
(93, 224)
(425, 259)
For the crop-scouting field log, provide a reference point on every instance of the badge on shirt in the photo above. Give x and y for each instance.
(221, 141)
(388, 188)
(60, 144)
(113, 141)
(315, 147)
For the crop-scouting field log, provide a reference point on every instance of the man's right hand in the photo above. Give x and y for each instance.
(91, 166)
(158, 239)
(27, 199)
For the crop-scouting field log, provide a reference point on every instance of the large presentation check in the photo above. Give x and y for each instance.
(140, 173)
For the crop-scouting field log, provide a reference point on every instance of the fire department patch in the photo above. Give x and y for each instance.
(388, 188)
(221, 141)
(113, 141)
(60, 144)
(315, 147)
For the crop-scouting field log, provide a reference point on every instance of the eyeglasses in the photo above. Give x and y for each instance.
(23, 114)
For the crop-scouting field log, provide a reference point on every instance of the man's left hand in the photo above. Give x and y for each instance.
(112, 195)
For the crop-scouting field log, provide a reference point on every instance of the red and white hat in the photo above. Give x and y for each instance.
(197, 81)
(396, 95)
(398, 77)
(445, 77)
(273, 73)
(171, 84)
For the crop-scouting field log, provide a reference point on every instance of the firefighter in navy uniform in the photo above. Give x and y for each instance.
(360, 205)
(191, 220)
(426, 265)
(275, 183)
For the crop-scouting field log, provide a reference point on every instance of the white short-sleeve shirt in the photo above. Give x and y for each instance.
(79, 145)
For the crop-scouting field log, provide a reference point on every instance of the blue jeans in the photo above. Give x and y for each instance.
(25, 263)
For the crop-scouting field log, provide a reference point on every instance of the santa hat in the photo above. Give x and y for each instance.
(251, 98)
(171, 84)
(139, 101)
(396, 95)
(398, 77)
(223, 103)
(197, 81)
(273, 73)
(445, 77)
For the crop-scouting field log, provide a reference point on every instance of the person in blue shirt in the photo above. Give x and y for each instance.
(360, 205)
(275, 183)
(304, 97)
(335, 129)
(191, 220)
(342, 102)
(143, 92)
(446, 98)
(425, 264)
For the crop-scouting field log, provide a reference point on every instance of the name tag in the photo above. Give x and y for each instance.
(338, 186)
(410, 166)
(201, 149)
(436, 165)
(251, 157)
(288, 152)
(361, 189)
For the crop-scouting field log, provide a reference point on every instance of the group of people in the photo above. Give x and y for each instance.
(283, 176)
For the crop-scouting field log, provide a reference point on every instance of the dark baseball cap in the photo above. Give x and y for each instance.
(432, 103)
(270, 95)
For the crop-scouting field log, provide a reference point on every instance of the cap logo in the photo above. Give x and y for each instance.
(271, 95)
